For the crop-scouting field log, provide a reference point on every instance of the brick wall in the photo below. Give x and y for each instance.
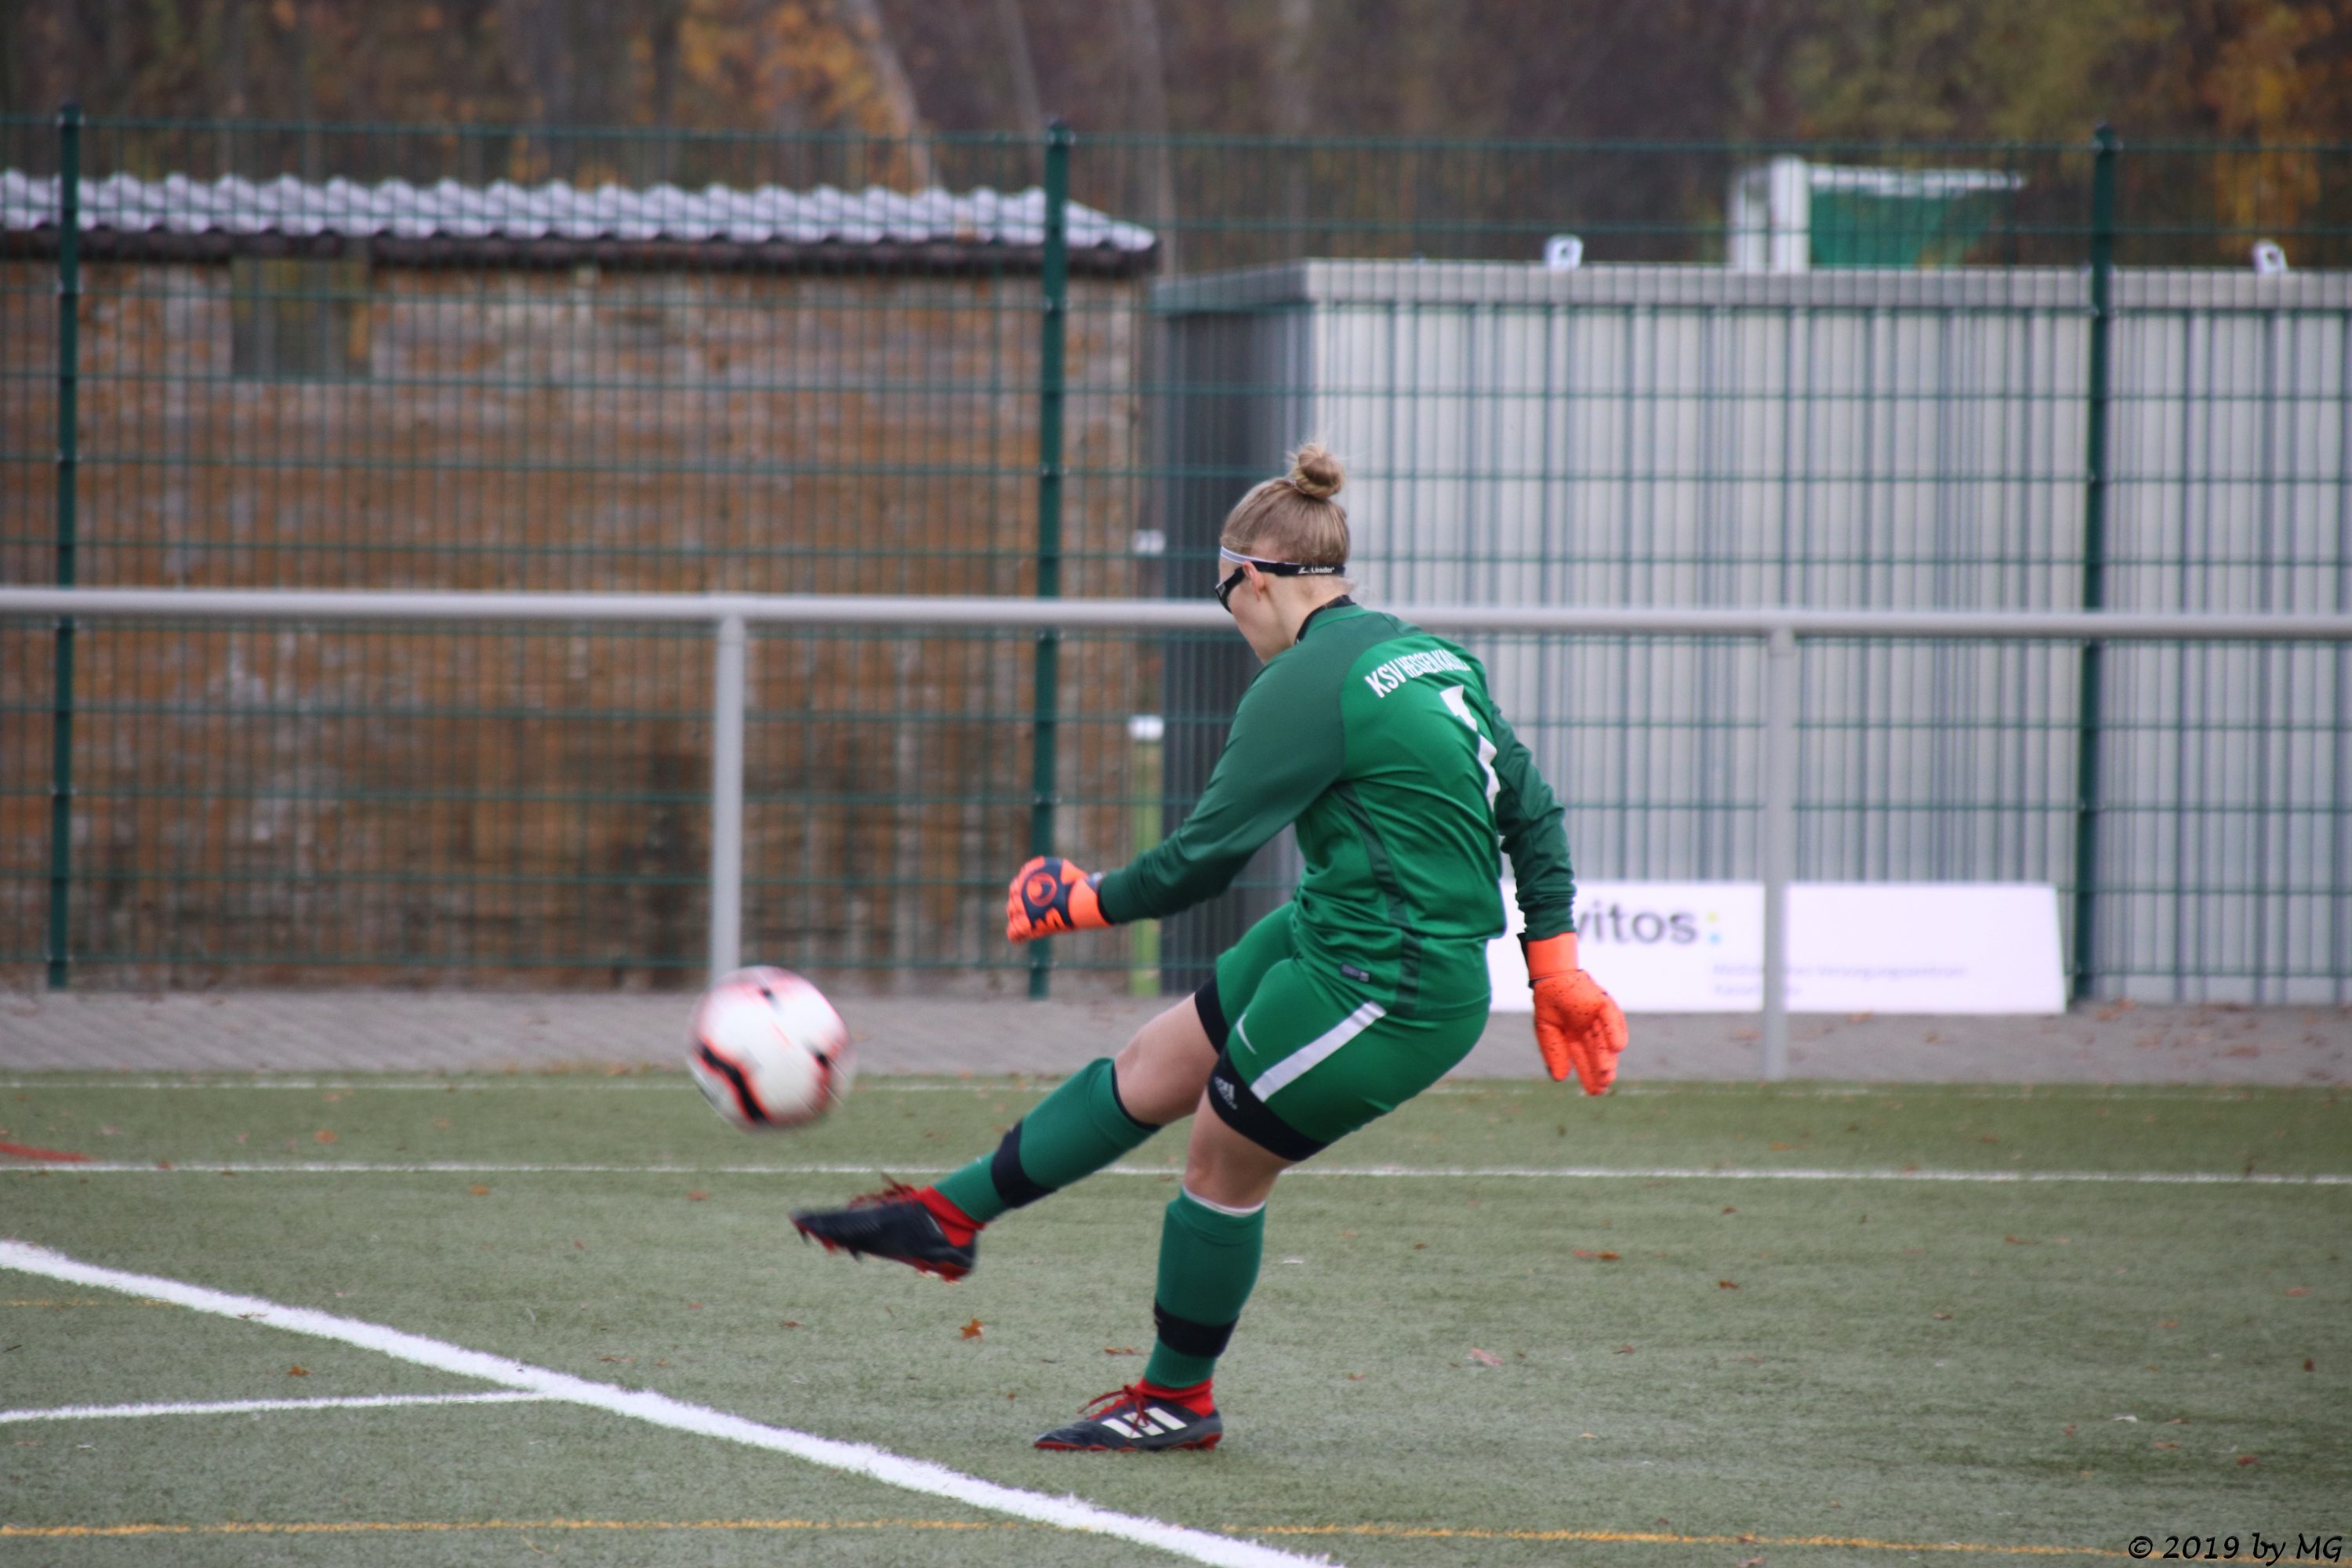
(299, 806)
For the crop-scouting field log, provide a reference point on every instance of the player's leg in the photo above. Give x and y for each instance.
(1210, 1242)
(1100, 1113)
(1304, 1067)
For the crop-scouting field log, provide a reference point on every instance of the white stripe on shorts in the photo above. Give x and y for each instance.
(1305, 1057)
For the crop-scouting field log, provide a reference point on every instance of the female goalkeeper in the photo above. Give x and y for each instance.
(1380, 744)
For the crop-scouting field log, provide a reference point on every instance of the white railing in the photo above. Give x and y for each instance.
(730, 615)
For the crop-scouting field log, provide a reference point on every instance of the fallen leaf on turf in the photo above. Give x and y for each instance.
(1941, 1317)
(2070, 1429)
(1728, 1209)
(2169, 1323)
(694, 1305)
(790, 1323)
(617, 1360)
(1596, 1257)
(1485, 1358)
(697, 1195)
(1779, 1148)
(972, 1330)
(2020, 1241)
(1355, 1377)
(1120, 1350)
(162, 1164)
(2168, 1445)
(2298, 1290)
(2245, 1458)
(1750, 1562)
(322, 1136)
(1584, 1434)
(1622, 1350)
(478, 1191)
(1724, 1285)
(298, 1370)
(2306, 1364)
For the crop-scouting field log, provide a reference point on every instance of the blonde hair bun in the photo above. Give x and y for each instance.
(1315, 472)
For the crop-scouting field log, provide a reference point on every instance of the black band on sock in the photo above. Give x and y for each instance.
(1212, 1014)
(1186, 1337)
(1250, 1117)
(1013, 1183)
(1140, 1125)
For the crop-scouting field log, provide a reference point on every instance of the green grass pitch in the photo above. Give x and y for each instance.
(1774, 1334)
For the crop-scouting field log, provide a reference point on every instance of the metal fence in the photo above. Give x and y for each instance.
(382, 357)
(502, 868)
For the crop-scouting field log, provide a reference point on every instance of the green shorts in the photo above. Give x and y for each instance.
(1305, 1061)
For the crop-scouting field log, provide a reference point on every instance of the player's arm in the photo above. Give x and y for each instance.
(1286, 747)
(1527, 816)
(1578, 1027)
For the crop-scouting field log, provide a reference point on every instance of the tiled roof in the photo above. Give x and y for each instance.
(448, 210)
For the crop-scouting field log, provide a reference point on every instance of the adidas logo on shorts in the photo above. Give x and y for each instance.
(1225, 1089)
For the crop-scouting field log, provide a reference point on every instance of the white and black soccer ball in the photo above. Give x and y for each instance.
(768, 1050)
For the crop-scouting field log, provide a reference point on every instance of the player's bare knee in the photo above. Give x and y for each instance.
(1161, 1071)
(1225, 1168)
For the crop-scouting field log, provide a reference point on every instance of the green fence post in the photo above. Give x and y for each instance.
(1054, 284)
(2094, 556)
(68, 373)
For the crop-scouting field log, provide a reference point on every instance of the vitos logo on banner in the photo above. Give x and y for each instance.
(1853, 947)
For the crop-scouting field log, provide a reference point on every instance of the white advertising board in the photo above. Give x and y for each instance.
(1853, 947)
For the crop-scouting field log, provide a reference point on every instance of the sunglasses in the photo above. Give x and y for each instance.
(1241, 563)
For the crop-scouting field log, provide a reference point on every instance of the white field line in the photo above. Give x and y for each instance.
(242, 1407)
(667, 1082)
(660, 1410)
(1440, 1172)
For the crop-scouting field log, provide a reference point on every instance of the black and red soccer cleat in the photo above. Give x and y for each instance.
(913, 1225)
(1141, 1419)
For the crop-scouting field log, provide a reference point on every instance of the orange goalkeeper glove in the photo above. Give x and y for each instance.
(1578, 1027)
(1050, 895)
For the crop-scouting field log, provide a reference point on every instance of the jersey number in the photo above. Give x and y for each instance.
(1460, 706)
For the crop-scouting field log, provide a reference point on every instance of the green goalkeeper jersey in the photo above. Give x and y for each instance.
(1380, 743)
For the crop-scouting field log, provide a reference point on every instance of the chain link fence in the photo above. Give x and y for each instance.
(384, 357)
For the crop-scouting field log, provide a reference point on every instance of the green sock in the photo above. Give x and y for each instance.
(1208, 1264)
(1074, 1132)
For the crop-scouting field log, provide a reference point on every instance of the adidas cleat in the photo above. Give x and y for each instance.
(1139, 1420)
(898, 1223)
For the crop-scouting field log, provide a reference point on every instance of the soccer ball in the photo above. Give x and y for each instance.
(768, 1050)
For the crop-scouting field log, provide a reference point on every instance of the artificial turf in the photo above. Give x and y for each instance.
(1683, 1359)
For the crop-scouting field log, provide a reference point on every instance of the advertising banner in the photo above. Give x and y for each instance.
(1853, 947)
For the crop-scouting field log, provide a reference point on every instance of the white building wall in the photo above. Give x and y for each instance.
(1689, 436)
